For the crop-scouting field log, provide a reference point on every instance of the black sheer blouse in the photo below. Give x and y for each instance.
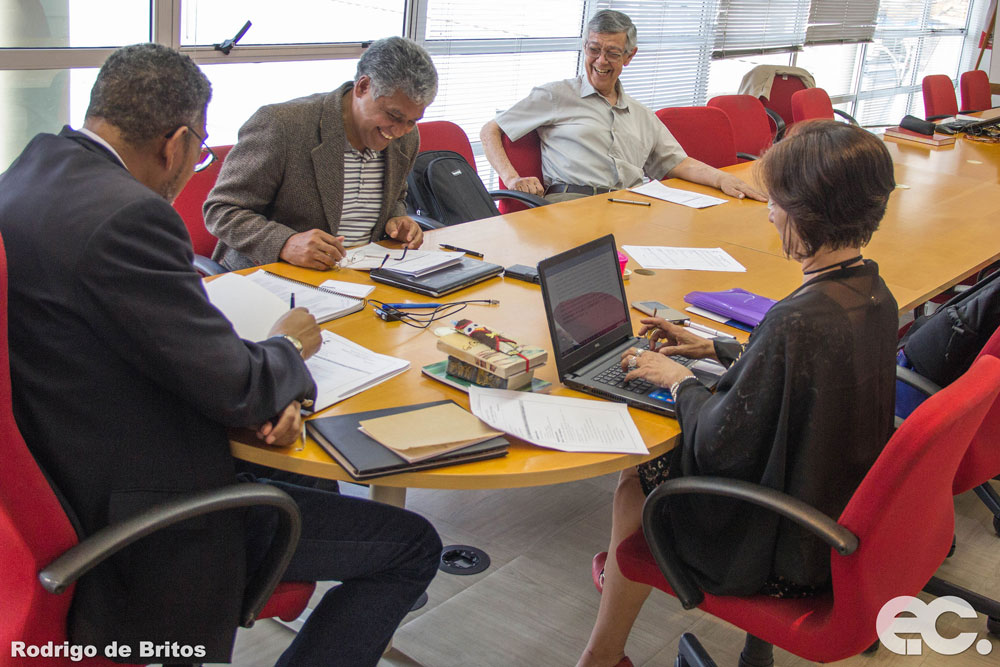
(805, 408)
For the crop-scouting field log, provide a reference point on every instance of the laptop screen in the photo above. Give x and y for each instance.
(584, 301)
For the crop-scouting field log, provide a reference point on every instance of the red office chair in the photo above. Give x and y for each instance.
(975, 88)
(704, 133)
(189, 203)
(42, 555)
(780, 100)
(939, 97)
(815, 103)
(526, 156)
(876, 553)
(754, 125)
(438, 135)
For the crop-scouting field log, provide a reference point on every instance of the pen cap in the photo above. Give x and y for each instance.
(622, 261)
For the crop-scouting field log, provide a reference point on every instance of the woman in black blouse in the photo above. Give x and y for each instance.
(805, 407)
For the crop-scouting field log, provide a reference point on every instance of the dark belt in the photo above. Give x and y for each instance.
(588, 190)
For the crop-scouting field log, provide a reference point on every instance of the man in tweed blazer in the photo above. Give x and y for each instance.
(281, 192)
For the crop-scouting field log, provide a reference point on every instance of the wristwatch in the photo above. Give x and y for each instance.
(294, 341)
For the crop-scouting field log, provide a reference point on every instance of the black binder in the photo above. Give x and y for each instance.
(467, 272)
(363, 457)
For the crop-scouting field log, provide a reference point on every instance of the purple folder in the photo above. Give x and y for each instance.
(736, 303)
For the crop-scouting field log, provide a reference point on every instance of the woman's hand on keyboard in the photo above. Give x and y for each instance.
(672, 339)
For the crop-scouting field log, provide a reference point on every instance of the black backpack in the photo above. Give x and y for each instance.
(444, 186)
(943, 345)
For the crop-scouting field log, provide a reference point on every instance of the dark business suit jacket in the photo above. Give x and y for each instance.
(286, 176)
(125, 379)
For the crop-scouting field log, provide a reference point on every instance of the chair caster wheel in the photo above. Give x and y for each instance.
(996, 525)
(993, 626)
(871, 649)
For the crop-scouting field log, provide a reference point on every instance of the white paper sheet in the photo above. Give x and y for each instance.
(250, 308)
(368, 257)
(695, 259)
(658, 190)
(343, 368)
(559, 422)
(350, 289)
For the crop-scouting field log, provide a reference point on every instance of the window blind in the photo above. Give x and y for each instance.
(841, 21)
(760, 26)
(674, 40)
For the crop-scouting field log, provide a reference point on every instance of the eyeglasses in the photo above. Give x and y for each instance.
(611, 55)
(207, 154)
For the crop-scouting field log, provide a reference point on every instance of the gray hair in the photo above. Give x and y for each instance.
(147, 91)
(607, 22)
(399, 64)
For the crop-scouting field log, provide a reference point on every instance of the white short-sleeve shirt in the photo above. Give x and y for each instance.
(587, 141)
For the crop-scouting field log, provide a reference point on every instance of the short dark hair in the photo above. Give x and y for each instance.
(148, 90)
(399, 64)
(832, 179)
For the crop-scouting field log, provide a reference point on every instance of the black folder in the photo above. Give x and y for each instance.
(449, 279)
(363, 457)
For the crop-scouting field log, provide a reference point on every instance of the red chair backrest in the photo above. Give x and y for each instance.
(192, 198)
(975, 89)
(704, 133)
(443, 135)
(907, 497)
(939, 96)
(526, 156)
(34, 529)
(751, 127)
(811, 103)
(782, 89)
(982, 462)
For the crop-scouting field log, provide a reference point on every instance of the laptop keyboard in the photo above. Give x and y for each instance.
(614, 376)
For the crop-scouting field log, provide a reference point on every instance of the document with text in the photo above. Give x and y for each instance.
(559, 422)
(343, 368)
(692, 259)
(658, 190)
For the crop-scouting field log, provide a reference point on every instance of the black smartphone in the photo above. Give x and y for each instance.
(522, 272)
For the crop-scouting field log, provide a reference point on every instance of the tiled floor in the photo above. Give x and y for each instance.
(535, 605)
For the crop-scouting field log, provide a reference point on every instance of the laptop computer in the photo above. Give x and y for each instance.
(444, 281)
(590, 325)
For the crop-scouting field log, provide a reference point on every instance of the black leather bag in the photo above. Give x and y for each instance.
(443, 186)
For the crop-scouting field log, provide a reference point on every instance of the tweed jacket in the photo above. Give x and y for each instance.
(285, 175)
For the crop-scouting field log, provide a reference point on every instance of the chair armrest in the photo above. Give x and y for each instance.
(916, 380)
(425, 222)
(846, 116)
(747, 156)
(828, 530)
(81, 558)
(532, 201)
(777, 121)
(208, 267)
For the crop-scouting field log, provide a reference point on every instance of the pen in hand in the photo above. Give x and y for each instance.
(291, 302)
(457, 249)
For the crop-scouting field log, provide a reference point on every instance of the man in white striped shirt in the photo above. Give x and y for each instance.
(313, 175)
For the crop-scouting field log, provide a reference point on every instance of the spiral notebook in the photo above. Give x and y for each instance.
(323, 303)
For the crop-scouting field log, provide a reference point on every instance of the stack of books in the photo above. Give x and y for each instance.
(480, 356)
(937, 139)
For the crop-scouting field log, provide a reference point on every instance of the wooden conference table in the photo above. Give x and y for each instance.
(937, 231)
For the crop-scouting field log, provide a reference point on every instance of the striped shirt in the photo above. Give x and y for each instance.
(363, 176)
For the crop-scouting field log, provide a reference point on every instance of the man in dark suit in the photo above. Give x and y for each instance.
(126, 378)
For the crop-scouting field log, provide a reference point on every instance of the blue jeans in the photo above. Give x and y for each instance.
(384, 556)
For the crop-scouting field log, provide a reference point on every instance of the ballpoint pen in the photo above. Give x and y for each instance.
(704, 329)
(629, 201)
(291, 302)
(457, 249)
(303, 445)
(411, 305)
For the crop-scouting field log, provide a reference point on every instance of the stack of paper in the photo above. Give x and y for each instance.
(419, 435)
(410, 262)
(343, 368)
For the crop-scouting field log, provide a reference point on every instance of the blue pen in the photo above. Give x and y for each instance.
(412, 305)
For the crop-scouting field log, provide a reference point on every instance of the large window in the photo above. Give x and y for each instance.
(488, 54)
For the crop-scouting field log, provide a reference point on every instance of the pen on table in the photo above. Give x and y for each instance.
(303, 445)
(629, 201)
(412, 305)
(457, 249)
(704, 329)
(291, 302)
